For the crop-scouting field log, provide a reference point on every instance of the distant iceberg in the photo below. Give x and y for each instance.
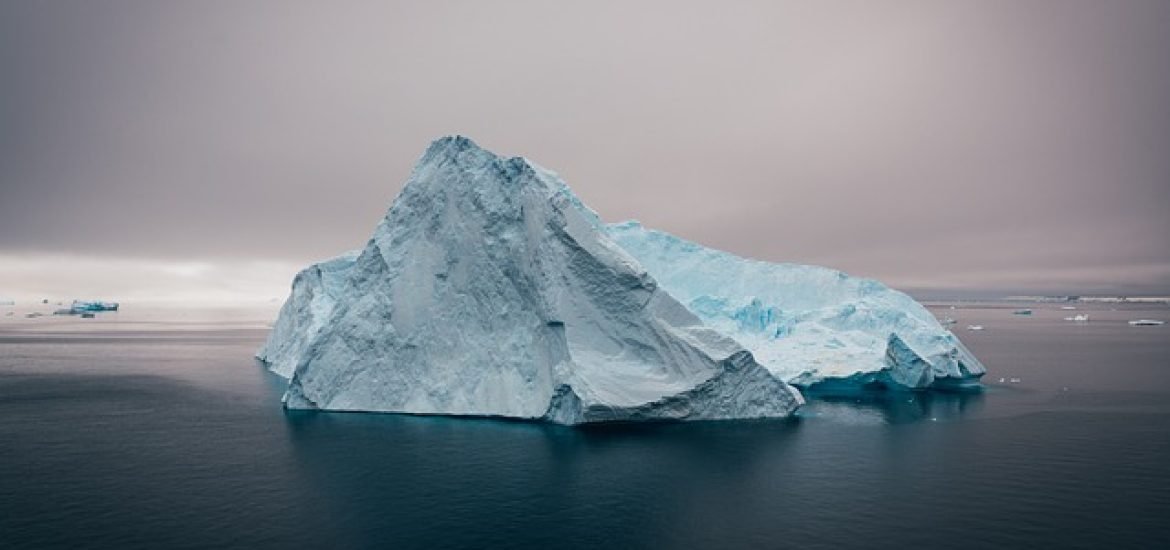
(489, 289)
(82, 307)
(1146, 323)
(812, 326)
(93, 305)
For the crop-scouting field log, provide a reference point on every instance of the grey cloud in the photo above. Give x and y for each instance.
(932, 144)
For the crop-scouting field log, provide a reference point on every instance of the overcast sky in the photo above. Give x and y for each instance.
(171, 148)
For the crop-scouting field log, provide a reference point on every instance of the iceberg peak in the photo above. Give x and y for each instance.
(457, 148)
(450, 146)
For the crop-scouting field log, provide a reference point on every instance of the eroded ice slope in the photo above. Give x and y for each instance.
(807, 324)
(488, 289)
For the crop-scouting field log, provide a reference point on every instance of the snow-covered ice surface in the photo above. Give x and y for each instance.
(812, 326)
(489, 289)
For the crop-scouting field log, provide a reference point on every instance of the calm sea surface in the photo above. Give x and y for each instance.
(159, 430)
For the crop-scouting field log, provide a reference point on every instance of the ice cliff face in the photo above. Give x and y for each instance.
(315, 292)
(811, 326)
(489, 289)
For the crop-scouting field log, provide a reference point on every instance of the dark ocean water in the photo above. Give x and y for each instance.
(162, 432)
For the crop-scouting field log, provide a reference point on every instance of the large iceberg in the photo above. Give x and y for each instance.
(490, 289)
(814, 327)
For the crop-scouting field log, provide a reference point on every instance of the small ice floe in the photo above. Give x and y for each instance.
(1146, 323)
(974, 327)
(84, 305)
(947, 321)
(1022, 312)
(1002, 380)
(1078, 318)
(1068, 308)
(1014, 380)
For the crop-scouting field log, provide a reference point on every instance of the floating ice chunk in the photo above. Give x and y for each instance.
(93, 305)
(81, 307)
(1146, 323)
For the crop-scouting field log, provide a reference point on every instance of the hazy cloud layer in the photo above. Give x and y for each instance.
(61, 278)
(936, 145)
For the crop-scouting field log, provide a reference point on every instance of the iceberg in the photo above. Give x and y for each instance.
(79, 306)
(814, 327)
(83, 307)
(489, 289)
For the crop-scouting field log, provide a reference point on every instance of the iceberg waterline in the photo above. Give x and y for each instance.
(489, 289)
